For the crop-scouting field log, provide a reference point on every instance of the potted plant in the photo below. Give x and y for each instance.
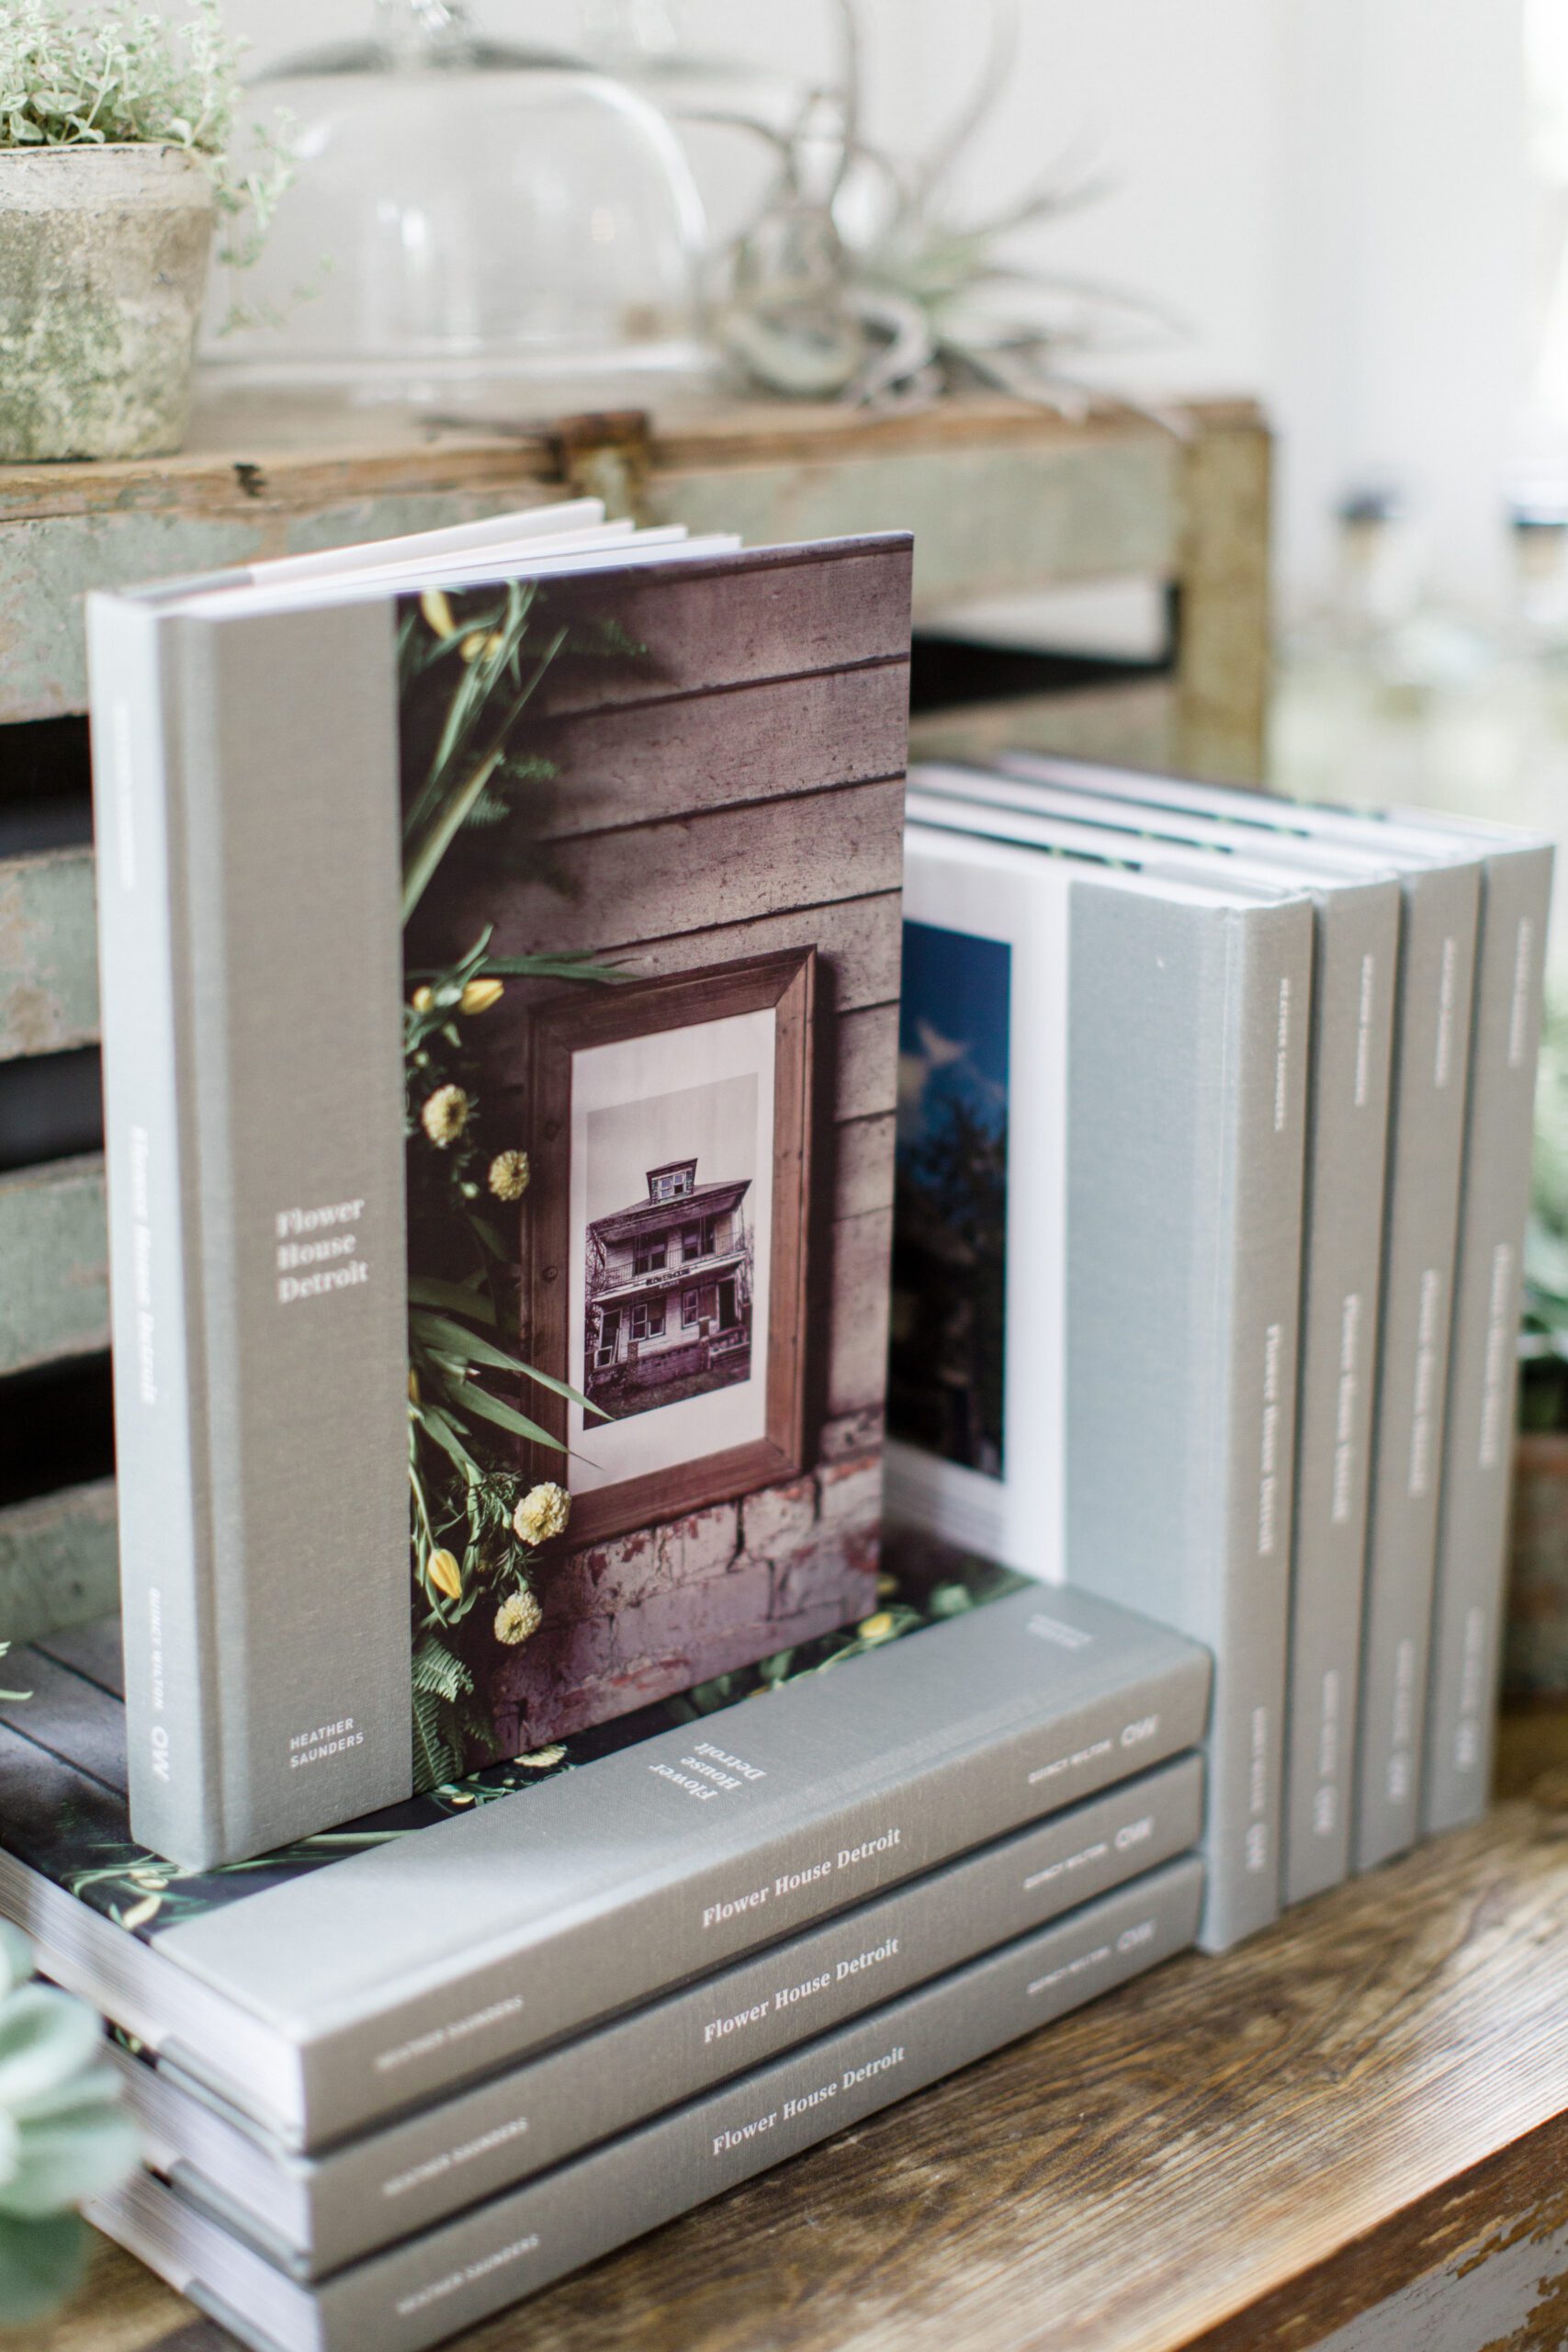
(1537, 1653)
(114, 169)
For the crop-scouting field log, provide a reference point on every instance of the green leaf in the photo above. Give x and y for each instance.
(553, 967)
(457, 1298)
(437, 1669)
(434, 1756)
(438, 1331)
(443, 1433)
(476, 1399)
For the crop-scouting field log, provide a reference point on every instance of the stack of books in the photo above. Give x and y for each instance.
(499, 949)
(1215, 1126)
(392, 2078)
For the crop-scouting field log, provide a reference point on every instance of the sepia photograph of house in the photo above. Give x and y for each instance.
(668, 1292)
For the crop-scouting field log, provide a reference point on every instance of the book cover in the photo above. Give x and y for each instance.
(1097, 1261)
(501, 1069)
(367, 1969)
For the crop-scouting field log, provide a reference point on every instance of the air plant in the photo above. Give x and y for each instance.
(858, 279)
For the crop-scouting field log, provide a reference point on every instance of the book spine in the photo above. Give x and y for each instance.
(149, 1007)
(859, 1827)
(1425, 1140)
(1473, 1520)
(453, 2277)
(1260, 1229)
(1353, 983)
(1184, 1294)
(334, 2210)
(263, 782)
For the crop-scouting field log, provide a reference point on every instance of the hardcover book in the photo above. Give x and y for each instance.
(361, 1973)
(1097, 1260)
(316, 2213)
(1357, 903)
(499, 949)
(1449, 989)
(450, 2277)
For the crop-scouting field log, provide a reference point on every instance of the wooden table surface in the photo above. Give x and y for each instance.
(1350, 2135)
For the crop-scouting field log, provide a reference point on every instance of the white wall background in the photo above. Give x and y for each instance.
(1331, 195)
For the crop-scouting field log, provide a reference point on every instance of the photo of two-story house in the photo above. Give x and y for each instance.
(669, 1293)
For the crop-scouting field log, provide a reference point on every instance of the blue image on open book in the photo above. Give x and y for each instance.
(946, 1387)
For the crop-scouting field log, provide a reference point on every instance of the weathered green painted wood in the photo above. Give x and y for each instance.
(54, 1263)
(48, 565)
(987, 521)
(59, 1563)
(49, 954)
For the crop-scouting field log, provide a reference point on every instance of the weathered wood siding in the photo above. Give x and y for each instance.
(733, 792)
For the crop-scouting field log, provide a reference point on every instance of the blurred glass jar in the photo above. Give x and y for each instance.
(465, 213)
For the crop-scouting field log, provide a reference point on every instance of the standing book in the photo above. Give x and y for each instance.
(1354, 962)
(500, 944)
(1473, 1520)
(1097, 1264)
(1440, 876)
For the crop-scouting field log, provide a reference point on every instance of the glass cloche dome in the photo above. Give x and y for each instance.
(463, 212)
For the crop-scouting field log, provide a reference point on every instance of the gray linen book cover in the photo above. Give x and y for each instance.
(314, 2214)
(1441, 876)
(457, 2274)
(1097, 1261)
(500, 1152)
(1355, 963)
(1478, 1456)
(362, 1974)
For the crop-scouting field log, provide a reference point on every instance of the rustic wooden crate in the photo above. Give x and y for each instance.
(1002, 498)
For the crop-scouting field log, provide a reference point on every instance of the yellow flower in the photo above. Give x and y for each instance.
(479, 995)
(543, 1512)
(877, 1628)
(541, 1759)
(518, 1616)
(422, 1000)
(509, 1175)
(444, 1574)
(477, 642)
(413, 1386)
(445, 1116)
(433, 603)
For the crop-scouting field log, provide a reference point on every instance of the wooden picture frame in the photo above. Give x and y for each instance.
(784, 984)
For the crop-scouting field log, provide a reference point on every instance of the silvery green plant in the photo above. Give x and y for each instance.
(863, 277)
(64, 2136)
(124, 74)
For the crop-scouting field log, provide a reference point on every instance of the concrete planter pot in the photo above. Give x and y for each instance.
(104, 255)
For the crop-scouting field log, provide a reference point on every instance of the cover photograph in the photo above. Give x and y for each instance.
(501, 982)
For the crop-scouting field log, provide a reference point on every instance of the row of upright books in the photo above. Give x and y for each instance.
(1238, 1096)
(544, 1060)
